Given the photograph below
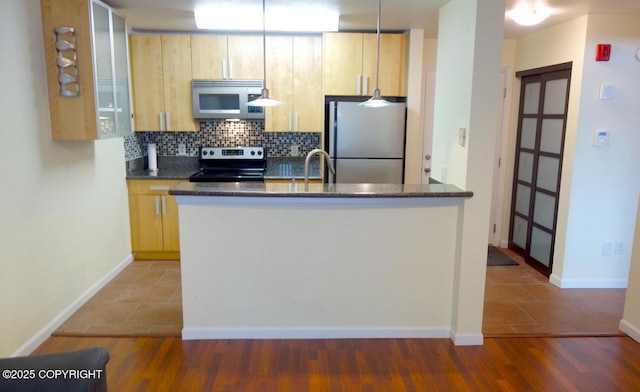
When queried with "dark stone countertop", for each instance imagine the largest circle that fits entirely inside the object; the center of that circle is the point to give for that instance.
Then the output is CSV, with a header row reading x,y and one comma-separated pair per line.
x,y
320,190
180,168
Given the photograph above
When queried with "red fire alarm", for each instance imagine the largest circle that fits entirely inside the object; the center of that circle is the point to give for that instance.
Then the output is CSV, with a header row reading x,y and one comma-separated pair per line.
x,y
603,52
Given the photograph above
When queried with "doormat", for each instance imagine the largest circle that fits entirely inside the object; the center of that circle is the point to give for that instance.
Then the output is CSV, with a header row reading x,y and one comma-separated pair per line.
x,y
496,257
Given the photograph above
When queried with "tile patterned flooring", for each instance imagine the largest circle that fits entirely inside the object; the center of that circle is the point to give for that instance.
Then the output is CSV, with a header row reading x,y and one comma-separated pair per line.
x,y
145,300
520,301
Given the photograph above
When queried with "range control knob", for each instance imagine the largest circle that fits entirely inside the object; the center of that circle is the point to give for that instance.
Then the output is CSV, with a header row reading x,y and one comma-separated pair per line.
x,y
204,152
253,152
259,152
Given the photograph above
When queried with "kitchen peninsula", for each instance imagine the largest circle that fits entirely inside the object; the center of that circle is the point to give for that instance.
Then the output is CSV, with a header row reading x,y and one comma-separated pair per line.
x,y
337,261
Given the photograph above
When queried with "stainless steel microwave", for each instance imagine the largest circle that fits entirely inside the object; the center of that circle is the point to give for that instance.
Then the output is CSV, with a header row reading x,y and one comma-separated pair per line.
x,y
226,99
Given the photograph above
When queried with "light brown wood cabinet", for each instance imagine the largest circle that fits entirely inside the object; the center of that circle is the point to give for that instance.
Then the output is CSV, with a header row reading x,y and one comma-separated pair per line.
x,y
102,106
153,215
161,71
227,57
350,64
294,76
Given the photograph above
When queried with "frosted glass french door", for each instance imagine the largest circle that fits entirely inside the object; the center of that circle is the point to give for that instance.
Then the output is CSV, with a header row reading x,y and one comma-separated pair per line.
x,y
538,163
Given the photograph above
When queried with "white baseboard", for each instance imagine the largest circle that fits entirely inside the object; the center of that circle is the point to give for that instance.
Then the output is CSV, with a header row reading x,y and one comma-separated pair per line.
x,y
42,335
313,333
504,244
630,329
588,283
467,339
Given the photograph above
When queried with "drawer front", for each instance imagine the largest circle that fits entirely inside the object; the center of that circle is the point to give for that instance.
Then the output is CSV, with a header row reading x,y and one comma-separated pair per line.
x,y
151,187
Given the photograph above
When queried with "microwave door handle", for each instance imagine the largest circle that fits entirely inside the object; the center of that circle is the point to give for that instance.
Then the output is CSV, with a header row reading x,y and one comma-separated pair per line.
x,y
297,122
168,121
161,121
224,69
230,69
289,120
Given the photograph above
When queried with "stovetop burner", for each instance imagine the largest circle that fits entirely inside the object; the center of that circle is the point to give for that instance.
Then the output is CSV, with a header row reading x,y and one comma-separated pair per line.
x,y
231,164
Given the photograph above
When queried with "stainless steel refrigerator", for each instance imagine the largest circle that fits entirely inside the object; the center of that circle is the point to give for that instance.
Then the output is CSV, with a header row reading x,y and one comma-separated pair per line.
x,y
366,144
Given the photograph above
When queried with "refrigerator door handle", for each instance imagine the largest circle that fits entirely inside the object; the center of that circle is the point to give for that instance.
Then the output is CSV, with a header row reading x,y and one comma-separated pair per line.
x,y
332,128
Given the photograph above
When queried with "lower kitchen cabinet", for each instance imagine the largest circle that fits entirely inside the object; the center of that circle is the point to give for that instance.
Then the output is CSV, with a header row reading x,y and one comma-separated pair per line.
x,y
153,215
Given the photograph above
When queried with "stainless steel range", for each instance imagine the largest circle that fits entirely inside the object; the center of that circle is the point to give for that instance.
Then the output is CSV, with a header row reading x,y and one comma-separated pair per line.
x,y
231,164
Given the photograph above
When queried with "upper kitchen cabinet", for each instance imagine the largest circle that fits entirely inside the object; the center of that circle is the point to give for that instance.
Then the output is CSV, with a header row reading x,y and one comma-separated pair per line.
x,y
294,77
85,45
226,57
350,64
161,69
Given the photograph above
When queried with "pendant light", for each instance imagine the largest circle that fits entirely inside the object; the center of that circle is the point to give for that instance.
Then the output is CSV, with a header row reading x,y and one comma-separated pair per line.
x,y
376,101
264,100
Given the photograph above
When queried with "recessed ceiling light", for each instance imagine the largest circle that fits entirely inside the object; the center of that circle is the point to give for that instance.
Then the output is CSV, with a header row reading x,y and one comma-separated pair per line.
x,y
529,14
234,17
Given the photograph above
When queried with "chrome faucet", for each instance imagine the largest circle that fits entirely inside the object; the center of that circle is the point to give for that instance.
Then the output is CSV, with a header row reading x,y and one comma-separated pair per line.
x,y
306,165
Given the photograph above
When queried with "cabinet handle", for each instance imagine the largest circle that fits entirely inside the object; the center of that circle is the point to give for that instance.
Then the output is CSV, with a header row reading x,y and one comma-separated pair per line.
x,y
164,205
230,69
358,85
365,82
297,123
289,120
157,205
158,188
168,121
161,120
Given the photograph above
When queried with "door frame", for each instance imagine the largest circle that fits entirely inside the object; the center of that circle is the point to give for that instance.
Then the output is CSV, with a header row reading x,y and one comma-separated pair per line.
x,y
499,168
428,103
499,172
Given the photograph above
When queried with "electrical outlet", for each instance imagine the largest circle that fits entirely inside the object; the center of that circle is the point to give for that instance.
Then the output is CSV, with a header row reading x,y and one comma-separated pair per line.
x,y
618,249
294,150
607,249
182,149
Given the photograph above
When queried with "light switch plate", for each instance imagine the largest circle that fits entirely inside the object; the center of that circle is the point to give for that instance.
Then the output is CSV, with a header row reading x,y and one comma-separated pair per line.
x,y
601,138
462,136
607,91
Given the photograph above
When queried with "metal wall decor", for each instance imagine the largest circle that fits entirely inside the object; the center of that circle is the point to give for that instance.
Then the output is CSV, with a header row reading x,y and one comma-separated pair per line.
x,y
66,61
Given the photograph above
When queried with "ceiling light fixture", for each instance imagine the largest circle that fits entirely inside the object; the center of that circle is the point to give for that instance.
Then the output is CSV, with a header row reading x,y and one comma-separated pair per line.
x,y
241,17
529,14
264,100
376,101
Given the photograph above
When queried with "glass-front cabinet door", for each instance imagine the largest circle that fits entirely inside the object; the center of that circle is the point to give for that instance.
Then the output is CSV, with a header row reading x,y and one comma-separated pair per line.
x,y
112,71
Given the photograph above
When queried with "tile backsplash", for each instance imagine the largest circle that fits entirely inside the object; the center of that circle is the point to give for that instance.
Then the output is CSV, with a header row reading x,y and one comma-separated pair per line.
x,y
222,134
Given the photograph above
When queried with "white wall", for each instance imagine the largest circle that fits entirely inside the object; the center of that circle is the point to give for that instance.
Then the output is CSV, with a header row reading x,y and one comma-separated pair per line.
x,y
465,77
630,324
63,206
605,183
599,187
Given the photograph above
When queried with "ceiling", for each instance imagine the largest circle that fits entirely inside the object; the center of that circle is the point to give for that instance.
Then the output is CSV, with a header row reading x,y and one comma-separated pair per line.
x,y
177,15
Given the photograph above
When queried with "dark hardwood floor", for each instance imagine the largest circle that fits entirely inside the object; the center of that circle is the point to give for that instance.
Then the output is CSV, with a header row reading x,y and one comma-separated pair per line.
x,y
501,364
